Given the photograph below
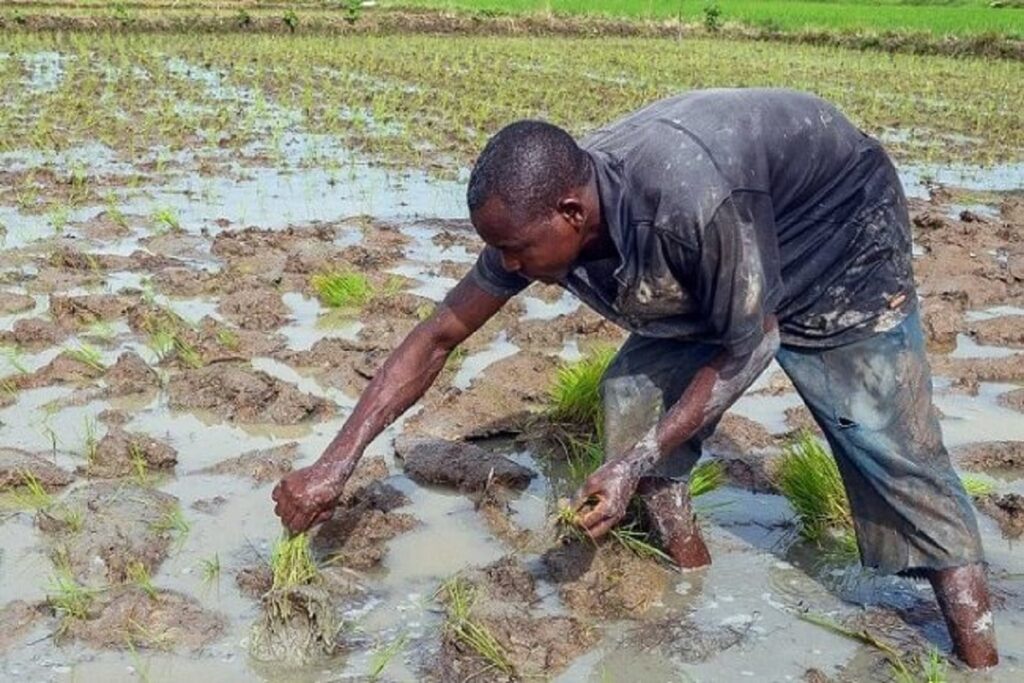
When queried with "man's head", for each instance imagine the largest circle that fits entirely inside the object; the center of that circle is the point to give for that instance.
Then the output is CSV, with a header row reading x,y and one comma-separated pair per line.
x,y
531,195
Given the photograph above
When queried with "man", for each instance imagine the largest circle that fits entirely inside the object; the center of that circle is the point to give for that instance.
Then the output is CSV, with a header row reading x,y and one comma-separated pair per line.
x,y
723,229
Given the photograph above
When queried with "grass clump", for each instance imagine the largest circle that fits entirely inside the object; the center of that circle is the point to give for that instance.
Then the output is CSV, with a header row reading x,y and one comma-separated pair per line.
x,y
292,563
173,522
705,477
471,633
342,289
69,599
31,494
575,394
88,355
138,574
977,487
809,478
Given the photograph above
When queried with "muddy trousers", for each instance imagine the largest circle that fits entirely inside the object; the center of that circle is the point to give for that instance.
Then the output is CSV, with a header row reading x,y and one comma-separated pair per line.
x,y
873,401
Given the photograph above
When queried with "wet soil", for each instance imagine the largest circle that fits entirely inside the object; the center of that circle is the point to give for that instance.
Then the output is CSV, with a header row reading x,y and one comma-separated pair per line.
x,y
128,617
261,466
238,393
118,524
505,605
1000,456
1008,511
16,619
605,580
458,465
123,454
15,464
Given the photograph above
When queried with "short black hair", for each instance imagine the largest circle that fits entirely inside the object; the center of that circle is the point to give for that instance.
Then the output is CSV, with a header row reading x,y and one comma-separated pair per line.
x,y
529,165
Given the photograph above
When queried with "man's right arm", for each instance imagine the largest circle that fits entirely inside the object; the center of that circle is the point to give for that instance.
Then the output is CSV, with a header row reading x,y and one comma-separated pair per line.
x,y
307,496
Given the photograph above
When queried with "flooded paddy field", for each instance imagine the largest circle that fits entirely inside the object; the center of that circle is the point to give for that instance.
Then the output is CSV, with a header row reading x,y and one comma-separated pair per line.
x,y
168,204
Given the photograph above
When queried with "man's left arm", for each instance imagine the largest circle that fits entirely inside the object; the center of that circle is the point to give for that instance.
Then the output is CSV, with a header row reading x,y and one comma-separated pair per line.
x,y
734,270
605,495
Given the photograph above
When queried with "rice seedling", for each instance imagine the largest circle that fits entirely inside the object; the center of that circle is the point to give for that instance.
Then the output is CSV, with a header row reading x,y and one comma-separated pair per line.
x,y
639,543
337,289
103,331
706,477
292,563
575,395
424,311
173,522
88,355
139,575
165,219
59,218
455,358
14,357
382,656
72,518
228,338
976,486
91,440
140,466
469,632
809,478
69,599
31,494
211,570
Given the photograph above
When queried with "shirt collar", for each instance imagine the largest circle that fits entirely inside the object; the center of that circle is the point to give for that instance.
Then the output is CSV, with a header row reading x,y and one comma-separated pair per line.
x,y
612,192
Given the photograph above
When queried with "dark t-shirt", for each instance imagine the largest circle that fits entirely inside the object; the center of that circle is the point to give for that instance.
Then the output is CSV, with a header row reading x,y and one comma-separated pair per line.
x,y
727,205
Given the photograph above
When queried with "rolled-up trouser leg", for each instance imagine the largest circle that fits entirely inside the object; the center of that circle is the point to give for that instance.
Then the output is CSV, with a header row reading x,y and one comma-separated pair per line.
x,y
647,376
873,400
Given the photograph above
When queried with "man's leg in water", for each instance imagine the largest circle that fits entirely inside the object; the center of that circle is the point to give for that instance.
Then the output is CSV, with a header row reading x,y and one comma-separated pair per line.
x,y
873,401
646,376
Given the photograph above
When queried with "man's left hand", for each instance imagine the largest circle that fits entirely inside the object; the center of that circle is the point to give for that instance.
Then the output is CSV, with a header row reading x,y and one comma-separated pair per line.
x,y
602,500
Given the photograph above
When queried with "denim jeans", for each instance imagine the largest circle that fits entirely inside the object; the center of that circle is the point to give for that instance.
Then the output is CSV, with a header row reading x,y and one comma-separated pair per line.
x,y
873,400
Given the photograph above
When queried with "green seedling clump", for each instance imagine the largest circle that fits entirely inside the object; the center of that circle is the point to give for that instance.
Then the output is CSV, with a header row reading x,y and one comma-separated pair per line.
x,y
809,478
977,487
706,477
31,494
461,626
575,395
292,563
69,599
342,289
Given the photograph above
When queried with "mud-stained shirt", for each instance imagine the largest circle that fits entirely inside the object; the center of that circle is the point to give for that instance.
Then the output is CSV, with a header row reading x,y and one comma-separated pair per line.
x,y
728,205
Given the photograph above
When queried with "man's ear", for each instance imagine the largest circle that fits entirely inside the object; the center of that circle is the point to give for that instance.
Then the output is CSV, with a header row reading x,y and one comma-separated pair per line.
x,y
572,210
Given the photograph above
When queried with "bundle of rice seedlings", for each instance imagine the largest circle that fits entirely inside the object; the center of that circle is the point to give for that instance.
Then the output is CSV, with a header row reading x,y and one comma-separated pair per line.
x,y
575,395
469,632
706,477
977,487
292,563
808,477
342,289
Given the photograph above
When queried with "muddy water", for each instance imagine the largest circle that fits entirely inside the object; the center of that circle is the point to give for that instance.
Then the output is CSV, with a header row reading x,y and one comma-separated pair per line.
x,y
735,621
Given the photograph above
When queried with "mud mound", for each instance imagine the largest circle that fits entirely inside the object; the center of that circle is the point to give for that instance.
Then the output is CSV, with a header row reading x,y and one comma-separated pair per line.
x,y
970,371
14,464
11,303
34,333
1013,399
183,282
552,334
74,311
356,536
942,319
503,604
254,582
338,363
123,454
130,375
238,393
127,617
297,626
119,524
1006,330
16,618
604,580
458,465
1008,511
991,455
255,309
261,466
64,369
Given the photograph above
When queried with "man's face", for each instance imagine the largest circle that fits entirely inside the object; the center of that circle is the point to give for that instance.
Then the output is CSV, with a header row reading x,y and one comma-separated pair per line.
x,y
543,249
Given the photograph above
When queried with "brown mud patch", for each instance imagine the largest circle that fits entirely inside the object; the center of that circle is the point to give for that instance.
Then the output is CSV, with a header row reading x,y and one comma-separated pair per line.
x,y
968,372
118,524
604,580
747,451
458,465
238,393
260,466
34,334
123,454
127,617
15,303
503,603
66,368
552,334
1006,330
338,363
682,638
992,455
255,309
16,464
297,626
942,319
78,311
1007,509
1013,399
356,536
16,619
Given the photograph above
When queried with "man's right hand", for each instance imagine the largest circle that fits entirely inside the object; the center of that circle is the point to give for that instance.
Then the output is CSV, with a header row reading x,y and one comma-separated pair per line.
x,y
307,496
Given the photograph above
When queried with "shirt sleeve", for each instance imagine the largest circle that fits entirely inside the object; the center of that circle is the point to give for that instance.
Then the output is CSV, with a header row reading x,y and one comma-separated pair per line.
x,y
735,256
491,276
